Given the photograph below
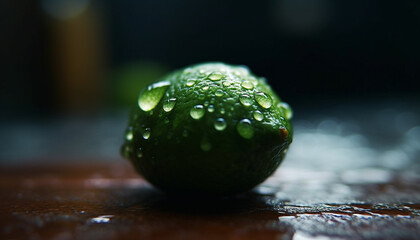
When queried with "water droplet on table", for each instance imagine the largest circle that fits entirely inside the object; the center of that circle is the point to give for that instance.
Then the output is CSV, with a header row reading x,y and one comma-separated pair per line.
x,y
102,219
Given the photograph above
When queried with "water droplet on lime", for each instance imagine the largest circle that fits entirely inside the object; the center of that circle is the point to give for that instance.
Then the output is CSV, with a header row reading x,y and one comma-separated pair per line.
x,y
215,76
246,100
169,105
146,133
263,99
220,124
245,129
205,88
152,95
129,134
227,83
197,112
248,85
191,82
219,93
210,108
258,116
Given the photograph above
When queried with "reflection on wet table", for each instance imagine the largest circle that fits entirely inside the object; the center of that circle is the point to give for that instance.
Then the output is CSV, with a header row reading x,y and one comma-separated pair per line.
x,y
109,201
347,177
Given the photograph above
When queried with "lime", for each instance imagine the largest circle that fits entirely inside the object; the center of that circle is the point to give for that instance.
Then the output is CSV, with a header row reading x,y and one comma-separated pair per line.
x,y
210,128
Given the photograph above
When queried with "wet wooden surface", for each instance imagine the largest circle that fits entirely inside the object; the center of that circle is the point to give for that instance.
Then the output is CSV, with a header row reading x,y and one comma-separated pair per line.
x,y
110,201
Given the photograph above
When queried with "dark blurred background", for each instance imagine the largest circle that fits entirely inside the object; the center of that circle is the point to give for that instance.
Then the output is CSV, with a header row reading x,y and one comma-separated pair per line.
x,y
69,69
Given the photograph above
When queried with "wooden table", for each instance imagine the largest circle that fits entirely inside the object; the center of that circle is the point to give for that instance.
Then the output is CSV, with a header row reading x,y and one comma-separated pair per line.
x,y
110,201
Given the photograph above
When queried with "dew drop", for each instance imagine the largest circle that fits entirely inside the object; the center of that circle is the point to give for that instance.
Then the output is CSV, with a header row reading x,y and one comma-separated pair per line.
x,y
169,105
206,103
246,100
263,99
149,98
258,116
201,96
222,111
210,108
139,153
197,112
205,88
288,112
205,145
245,129
220,124
219,93
227,83
191,82
129,134
215,76
146,133
248,85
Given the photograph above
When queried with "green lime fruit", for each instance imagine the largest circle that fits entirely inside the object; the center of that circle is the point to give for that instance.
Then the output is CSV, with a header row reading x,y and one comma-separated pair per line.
x,y
210,128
